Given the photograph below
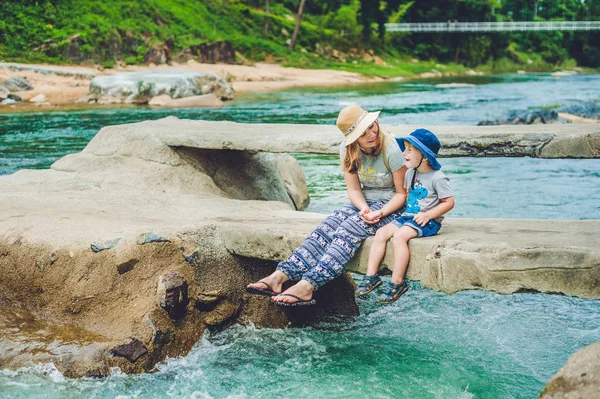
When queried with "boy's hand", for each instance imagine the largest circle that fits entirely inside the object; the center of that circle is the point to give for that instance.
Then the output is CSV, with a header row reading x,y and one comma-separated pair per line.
x,y
421,219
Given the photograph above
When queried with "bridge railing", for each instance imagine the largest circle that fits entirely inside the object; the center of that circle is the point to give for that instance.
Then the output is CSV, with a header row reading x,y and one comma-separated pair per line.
x,y
492,26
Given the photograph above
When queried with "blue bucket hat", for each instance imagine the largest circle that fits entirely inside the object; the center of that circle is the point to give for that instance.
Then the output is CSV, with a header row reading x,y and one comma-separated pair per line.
x,y
426,142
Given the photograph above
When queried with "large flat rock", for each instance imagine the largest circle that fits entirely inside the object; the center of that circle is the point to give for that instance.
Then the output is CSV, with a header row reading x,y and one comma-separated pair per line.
x,y
545,141
501,255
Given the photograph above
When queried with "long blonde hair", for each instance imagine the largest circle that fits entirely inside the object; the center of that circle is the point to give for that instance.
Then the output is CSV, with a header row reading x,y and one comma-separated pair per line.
x,y
351,161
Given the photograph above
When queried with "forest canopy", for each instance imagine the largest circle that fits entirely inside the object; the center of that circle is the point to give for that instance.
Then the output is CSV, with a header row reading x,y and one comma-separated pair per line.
x,y
44,30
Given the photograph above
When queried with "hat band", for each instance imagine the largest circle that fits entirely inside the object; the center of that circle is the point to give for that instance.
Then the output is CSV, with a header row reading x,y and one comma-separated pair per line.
x,y
351,128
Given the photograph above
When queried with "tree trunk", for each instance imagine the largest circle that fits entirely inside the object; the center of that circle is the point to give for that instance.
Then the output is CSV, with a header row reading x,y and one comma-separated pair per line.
x,y
536,4
266,18
298,21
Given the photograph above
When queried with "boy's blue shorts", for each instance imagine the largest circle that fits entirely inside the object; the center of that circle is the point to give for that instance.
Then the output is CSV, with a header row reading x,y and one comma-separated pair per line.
x,y
430,229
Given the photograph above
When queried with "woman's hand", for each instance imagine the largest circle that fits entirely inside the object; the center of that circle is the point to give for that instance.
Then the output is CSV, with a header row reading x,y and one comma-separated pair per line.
x,y
371,216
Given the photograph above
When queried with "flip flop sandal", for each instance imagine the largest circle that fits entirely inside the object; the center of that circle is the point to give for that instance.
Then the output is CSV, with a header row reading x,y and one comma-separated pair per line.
x,y
268,291
393,292
368,284
299,301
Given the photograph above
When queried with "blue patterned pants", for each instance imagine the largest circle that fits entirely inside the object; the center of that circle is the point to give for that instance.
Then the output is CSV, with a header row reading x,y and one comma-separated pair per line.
x,y
324,254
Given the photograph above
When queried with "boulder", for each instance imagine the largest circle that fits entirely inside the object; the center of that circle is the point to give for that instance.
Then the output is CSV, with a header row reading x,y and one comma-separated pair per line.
x,y
579,378
17,84
146,85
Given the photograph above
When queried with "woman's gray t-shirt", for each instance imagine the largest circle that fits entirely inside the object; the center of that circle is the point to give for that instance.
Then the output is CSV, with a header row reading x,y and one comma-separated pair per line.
x,y
375,178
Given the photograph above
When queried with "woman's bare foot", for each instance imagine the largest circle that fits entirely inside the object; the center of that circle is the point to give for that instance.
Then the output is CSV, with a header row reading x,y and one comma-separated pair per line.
x,y
302,291
273,282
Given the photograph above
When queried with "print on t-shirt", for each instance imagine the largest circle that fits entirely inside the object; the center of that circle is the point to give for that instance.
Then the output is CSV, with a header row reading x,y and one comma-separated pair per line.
x,y
417,193
371,177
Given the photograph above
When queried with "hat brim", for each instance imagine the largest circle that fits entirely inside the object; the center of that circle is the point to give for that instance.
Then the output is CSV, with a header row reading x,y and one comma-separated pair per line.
x,y
361,127
427,153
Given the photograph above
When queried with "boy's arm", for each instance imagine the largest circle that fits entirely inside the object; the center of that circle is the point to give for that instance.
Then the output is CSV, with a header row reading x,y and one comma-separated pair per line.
x,y
445,205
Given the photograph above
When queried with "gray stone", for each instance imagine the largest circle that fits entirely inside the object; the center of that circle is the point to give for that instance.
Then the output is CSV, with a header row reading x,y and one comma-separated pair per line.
x,y
98,246
147,238
176,84
579,378
18,84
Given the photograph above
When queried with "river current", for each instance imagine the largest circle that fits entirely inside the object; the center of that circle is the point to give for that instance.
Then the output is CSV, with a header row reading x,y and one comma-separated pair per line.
x,y
472,344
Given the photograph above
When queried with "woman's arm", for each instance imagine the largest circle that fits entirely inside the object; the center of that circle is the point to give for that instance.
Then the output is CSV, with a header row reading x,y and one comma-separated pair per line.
x,y
355,194
395,203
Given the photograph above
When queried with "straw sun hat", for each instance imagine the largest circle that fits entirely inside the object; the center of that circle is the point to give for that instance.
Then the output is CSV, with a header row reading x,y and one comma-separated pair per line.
x,y
353,121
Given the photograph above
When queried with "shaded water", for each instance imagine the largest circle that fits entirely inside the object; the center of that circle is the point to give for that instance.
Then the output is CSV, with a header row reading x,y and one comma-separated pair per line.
x,y
428,345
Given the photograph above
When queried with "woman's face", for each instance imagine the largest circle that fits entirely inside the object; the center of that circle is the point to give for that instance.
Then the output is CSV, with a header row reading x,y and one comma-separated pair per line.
x,y
369,138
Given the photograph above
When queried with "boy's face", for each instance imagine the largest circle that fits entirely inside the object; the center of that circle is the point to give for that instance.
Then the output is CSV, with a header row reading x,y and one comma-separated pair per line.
x,y
412,156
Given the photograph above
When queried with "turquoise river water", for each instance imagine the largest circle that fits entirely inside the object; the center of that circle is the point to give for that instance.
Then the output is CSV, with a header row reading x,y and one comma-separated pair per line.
x,y
472,344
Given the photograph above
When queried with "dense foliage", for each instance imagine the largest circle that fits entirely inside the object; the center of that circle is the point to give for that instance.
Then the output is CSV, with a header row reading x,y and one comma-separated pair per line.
x,y
106,31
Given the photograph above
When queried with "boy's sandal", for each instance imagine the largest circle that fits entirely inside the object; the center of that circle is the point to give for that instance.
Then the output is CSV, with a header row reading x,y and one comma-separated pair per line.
x,y
393,292
368,284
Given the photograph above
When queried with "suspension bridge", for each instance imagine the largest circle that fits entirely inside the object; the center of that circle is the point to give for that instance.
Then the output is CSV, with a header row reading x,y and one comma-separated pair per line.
x,y
494,26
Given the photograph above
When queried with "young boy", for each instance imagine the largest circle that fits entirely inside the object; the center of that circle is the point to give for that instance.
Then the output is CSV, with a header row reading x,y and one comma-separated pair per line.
x,y
429,198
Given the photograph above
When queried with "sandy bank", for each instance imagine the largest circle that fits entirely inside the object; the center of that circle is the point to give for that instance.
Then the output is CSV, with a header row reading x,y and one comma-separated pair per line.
x,y
64,90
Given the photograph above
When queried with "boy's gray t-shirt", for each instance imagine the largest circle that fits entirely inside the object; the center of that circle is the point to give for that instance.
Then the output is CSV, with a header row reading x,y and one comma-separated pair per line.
x,y
375,178
428,189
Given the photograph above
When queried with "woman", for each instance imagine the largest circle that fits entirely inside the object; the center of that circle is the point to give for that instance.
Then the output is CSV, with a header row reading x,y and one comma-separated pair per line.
x,y
374,172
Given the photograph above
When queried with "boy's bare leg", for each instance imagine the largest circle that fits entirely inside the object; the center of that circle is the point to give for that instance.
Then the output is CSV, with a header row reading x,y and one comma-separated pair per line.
x,y
401,252
378,246
275,281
